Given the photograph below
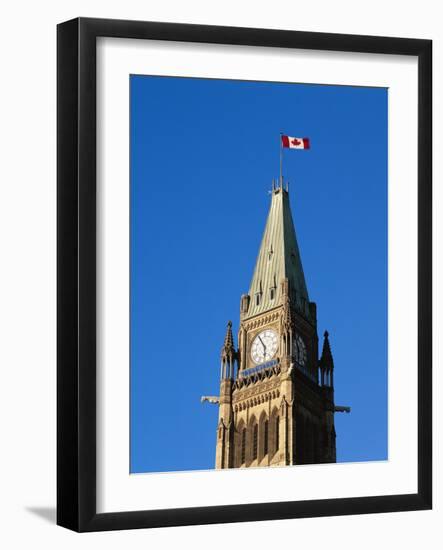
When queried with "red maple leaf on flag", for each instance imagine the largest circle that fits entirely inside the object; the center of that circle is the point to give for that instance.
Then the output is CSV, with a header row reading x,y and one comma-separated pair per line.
x,y
296,142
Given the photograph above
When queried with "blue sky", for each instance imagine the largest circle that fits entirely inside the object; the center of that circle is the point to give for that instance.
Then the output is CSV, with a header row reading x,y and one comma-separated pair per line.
x,y
203,155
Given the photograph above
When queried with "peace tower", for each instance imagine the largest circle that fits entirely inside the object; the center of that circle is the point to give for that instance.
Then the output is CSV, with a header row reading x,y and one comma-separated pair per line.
x,y
276,403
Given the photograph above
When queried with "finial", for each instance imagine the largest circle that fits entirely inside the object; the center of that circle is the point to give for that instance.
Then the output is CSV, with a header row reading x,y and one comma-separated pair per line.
x,y
326,363
229,340
326,360
228,354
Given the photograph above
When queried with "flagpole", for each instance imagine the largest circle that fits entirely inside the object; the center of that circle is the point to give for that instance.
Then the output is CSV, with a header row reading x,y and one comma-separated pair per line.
x,y
281,161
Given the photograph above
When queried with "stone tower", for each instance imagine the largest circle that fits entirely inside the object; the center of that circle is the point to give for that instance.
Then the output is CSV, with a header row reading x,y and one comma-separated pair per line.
x,y
276,404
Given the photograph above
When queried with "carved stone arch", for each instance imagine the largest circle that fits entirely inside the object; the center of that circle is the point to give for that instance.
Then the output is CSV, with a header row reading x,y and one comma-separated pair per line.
x,y
240,443
283,405
221,429
274,424
263,436
240,424
252,440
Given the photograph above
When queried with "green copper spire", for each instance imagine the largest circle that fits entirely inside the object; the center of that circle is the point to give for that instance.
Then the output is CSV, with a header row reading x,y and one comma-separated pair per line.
x,y
278,259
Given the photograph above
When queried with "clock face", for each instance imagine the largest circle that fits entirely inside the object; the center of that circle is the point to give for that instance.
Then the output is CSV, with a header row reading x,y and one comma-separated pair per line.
x,y
300,354
264,346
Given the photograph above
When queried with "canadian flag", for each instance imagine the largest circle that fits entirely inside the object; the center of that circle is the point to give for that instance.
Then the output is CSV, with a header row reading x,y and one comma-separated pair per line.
x,y
295,142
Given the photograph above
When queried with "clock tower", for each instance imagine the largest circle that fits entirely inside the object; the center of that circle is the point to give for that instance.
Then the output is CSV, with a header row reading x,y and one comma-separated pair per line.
x,y
276,403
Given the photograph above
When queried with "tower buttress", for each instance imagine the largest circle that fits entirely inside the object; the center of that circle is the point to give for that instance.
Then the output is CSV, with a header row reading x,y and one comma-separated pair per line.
x,y
225,427
326,365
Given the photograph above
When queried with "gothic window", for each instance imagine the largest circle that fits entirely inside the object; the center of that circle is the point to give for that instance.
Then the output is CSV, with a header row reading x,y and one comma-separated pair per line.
x,y
265,438
258,298
243,446
272,293
255,442
277,433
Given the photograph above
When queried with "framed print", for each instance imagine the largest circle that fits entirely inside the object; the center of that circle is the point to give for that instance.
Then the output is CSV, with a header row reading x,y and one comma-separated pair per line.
x,y
244,274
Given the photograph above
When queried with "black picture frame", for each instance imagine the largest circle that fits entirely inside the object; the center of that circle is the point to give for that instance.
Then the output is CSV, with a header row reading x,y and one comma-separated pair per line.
x,y
76,273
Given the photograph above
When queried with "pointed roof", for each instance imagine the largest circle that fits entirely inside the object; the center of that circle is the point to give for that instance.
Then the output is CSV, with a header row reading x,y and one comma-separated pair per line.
x,y
228,344
326,360
228,349
278,258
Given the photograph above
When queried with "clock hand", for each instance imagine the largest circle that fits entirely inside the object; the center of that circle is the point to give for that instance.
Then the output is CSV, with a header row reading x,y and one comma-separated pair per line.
x,y
264,347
